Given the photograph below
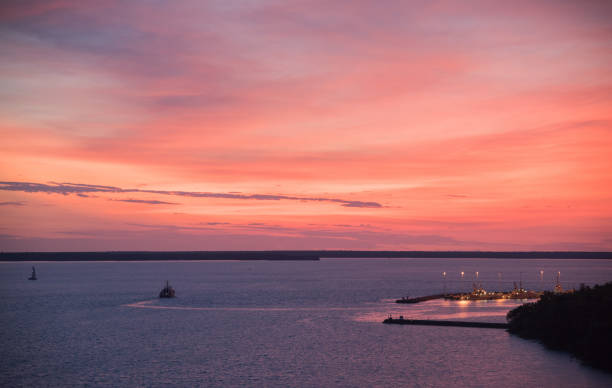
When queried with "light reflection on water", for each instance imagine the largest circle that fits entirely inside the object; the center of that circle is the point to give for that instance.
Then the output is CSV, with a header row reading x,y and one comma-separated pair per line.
x,y
376,312
482,310
153,304
278,324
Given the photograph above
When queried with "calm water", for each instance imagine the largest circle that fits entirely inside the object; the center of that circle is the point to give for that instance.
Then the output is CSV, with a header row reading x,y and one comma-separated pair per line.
x,y
282,324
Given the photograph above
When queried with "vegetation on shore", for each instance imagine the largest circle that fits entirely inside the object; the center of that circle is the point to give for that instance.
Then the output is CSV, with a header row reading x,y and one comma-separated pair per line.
x,y
579,322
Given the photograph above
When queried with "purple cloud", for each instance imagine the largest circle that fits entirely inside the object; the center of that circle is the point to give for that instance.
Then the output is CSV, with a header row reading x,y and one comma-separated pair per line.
x,y
80,188
12,203
148,201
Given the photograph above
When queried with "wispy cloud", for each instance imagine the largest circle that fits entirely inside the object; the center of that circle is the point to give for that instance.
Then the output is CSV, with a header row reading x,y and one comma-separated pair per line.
x,y
12,203
147,201
80,188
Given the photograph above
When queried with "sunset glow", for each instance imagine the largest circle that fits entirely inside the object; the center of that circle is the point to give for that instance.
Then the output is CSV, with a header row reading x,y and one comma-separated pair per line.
x,y
193,125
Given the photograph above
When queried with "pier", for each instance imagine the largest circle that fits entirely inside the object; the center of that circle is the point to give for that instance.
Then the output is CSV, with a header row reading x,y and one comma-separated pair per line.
x,y
420,298
471,296
480,293
430,322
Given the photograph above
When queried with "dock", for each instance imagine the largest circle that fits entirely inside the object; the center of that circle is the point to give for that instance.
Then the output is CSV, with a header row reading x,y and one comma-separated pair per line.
x,y
479,293
420,298
432,322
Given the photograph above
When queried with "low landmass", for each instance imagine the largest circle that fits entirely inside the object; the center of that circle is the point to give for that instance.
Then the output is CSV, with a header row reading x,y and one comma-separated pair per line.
x,y
466,254
162,255
290,255
579,322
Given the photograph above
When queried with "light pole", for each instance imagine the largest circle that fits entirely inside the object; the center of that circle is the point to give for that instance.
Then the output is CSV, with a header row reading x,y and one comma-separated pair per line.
x,y
444,276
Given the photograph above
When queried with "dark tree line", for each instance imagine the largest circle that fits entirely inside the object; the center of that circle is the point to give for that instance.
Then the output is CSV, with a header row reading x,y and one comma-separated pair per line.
x,y
579,322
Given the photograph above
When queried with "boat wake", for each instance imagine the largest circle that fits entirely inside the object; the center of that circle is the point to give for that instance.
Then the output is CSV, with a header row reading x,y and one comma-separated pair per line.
x,y
372,313
150,304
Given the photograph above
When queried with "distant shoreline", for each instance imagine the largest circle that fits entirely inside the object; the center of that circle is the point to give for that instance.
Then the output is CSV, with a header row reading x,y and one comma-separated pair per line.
x,y
289,255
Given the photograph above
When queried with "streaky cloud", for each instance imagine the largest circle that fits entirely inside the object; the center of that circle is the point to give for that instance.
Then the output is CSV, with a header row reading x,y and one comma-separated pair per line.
x,y
147,201
67,188
361,204
59,188
12,203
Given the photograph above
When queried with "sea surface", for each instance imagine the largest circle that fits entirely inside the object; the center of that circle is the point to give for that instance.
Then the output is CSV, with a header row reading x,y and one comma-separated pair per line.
x,y
277,324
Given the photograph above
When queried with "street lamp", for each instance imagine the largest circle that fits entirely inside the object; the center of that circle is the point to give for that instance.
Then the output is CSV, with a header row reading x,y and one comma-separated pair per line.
x,y
444,276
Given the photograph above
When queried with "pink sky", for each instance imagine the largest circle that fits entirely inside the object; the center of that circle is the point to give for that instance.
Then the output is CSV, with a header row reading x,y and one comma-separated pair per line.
x,y
213,125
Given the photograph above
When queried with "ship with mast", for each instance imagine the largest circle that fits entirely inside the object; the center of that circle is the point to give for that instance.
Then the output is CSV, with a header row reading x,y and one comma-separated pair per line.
x,y
33,275
167,292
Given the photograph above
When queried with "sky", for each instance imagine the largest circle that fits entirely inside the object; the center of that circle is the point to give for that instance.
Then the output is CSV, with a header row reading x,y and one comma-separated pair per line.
x,y
220,125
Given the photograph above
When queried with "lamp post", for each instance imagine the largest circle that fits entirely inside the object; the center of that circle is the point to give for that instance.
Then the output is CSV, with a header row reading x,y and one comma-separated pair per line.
x,y
541,279
444,276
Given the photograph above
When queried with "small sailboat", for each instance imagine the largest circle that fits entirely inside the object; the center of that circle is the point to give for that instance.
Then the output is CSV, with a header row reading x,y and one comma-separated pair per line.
x,y
33,276
167,292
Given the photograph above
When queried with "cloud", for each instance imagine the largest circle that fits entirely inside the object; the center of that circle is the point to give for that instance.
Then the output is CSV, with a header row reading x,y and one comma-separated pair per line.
x,y
80,188
149,201
360,204
12,203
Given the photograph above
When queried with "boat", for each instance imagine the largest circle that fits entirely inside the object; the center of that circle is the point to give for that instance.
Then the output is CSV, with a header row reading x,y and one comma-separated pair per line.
x,y
167,292
33,276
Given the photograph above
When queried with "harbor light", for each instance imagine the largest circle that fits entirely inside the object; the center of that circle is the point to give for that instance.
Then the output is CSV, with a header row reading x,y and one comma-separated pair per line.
x,y
462,273
444,276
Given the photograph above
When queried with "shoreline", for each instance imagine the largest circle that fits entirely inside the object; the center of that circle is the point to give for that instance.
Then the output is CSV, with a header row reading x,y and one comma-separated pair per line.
x,y
313,255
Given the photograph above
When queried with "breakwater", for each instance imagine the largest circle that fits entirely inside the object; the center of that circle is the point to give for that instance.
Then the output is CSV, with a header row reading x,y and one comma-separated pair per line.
x,y
431,322
476,295
420,298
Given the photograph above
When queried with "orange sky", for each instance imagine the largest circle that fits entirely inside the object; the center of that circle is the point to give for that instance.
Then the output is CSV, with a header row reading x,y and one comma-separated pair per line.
x,y
204,125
